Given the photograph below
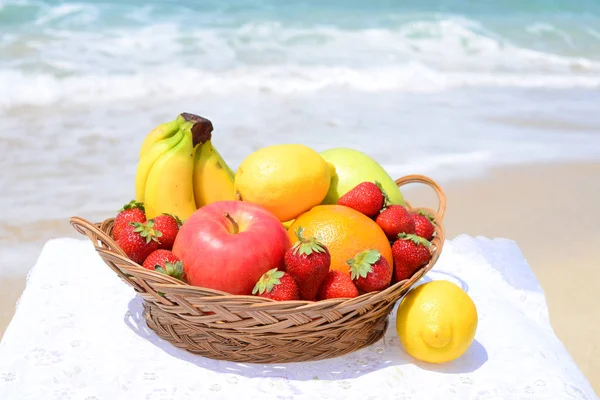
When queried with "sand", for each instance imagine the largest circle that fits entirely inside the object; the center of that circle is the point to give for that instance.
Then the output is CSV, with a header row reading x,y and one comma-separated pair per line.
x,y
10,290
549,210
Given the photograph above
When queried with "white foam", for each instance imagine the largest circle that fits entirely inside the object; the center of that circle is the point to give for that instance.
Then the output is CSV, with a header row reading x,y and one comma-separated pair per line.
x,y
452,44
168,60
60,11
44,89
445,165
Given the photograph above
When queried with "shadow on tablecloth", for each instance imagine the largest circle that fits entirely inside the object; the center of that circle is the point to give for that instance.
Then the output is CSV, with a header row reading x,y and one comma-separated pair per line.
x,y
385,353
445,276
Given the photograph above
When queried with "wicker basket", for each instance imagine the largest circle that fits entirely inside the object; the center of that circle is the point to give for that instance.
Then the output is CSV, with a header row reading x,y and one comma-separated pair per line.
x,y
253,329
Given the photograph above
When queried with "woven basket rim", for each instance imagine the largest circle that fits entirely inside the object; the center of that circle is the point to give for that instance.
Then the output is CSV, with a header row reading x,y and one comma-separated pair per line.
x,y
221,295
110,251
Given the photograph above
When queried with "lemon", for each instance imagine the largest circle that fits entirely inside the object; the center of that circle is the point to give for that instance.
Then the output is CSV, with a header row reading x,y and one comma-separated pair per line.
x,y
436,322
286,179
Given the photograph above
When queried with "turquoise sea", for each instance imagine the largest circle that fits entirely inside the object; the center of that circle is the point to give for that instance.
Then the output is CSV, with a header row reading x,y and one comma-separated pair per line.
x,y
443,88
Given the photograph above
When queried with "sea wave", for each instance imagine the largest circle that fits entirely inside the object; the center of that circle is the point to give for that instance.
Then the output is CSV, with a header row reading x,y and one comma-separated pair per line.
x,y
167,59
453,44
449,162
46,89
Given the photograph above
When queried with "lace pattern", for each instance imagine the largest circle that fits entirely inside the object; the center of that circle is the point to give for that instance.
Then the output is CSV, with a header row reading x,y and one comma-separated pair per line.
x,y
79,334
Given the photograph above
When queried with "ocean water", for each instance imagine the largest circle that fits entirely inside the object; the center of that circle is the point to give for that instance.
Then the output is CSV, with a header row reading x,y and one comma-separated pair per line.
x,y
443,88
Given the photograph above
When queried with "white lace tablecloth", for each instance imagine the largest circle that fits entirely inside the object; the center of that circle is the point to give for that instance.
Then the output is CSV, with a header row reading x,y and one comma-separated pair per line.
x,y
78,334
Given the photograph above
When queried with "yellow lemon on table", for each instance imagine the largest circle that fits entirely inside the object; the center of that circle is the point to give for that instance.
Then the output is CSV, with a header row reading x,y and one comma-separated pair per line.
x,y
286,179
436,322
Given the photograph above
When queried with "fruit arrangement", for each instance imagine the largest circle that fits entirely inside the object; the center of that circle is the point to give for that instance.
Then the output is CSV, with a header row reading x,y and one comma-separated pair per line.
x,y
234,239
301,254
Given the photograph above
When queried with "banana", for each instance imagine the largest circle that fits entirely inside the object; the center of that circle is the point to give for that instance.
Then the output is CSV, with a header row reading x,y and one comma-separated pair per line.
x,y
160,132
213,179
169,186
148,159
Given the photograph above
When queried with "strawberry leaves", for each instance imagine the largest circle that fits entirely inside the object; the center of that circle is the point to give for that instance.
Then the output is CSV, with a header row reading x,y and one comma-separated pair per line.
x,y
131,205
386,200
176,218
427,215
146,230
267,281
415,239
362,264
306,246
174,270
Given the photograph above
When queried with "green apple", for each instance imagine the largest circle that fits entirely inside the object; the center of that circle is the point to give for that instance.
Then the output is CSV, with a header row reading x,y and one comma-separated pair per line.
x,y
353,167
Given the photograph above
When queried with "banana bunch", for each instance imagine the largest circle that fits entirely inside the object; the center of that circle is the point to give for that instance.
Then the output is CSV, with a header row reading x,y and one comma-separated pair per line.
x,y
179,170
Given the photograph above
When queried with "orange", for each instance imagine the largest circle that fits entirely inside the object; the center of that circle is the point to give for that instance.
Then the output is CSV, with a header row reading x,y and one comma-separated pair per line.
x,y
344,231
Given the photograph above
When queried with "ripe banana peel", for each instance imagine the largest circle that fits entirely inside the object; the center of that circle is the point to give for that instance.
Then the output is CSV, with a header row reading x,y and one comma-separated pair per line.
x,y
169,187
213,179
180,170
162,131
147,160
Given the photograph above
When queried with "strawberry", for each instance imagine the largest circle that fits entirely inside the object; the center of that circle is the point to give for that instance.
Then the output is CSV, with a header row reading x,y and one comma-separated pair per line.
x,y
277,285
168,225
307,261
395,219
370,271
367,198
410,253
138,240
164,262
337,284
131,212
423,225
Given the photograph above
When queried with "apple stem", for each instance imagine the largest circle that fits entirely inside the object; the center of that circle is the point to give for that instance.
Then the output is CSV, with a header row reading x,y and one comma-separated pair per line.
x,y
236,227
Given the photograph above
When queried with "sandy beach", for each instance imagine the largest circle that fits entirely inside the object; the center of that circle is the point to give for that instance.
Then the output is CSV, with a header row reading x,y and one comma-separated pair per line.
x,y
496,101
10,290
544,208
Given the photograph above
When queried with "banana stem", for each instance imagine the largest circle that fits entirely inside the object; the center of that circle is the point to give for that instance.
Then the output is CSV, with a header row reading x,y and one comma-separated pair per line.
x,y
236,227
201,129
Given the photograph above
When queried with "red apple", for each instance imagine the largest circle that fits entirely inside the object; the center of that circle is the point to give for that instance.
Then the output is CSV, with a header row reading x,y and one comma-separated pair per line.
x,y
229,245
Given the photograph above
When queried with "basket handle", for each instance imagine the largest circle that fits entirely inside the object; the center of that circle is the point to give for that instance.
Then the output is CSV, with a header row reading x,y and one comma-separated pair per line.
x,y
113,256
441,210
95,234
